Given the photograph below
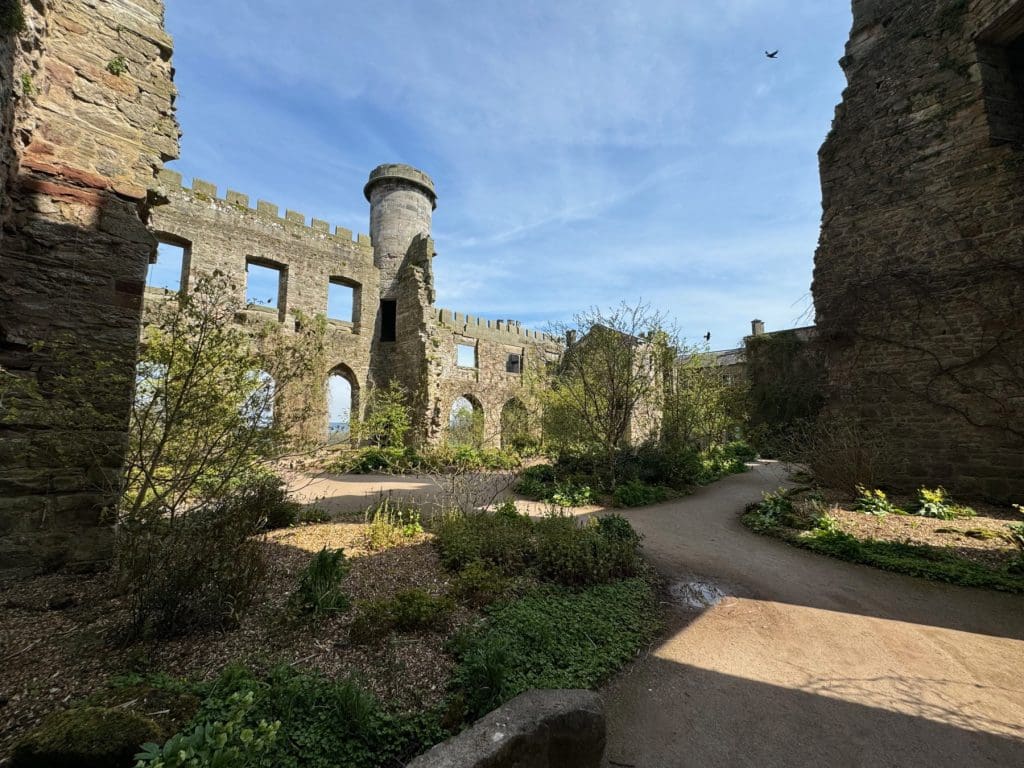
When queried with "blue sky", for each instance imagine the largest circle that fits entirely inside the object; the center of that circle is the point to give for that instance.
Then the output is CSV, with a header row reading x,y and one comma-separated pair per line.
x,y
583,152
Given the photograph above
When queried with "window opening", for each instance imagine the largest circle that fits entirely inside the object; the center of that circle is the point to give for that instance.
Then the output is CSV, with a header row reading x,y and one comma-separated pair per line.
x,y
388,319
168,271
465,355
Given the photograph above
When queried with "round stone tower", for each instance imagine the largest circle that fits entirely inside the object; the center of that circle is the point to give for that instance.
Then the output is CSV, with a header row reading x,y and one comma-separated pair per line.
x,y
402,200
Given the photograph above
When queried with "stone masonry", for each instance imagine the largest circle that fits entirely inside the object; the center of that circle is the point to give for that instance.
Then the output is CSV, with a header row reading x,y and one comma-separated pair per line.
x,y
417,347
919,274
87,121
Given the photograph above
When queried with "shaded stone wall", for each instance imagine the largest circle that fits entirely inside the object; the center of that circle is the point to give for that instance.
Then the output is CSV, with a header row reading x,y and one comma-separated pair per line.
x,y
919,274
92,122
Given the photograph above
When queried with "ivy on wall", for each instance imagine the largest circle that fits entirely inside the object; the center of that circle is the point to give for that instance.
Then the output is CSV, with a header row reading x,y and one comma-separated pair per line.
x,y
787,388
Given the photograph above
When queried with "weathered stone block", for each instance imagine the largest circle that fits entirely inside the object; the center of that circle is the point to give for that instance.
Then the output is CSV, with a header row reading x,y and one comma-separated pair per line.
x,y
537,729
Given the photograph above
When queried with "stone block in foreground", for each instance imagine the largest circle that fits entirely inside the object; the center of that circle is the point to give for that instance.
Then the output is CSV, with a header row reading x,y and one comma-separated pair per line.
x,y
537,729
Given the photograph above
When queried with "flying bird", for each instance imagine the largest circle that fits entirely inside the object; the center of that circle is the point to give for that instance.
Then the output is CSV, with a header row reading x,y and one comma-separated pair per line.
x,y
707,336
772,55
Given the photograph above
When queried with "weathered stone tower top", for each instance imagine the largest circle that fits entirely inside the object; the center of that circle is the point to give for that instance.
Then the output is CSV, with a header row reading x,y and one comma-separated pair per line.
x,y
402,200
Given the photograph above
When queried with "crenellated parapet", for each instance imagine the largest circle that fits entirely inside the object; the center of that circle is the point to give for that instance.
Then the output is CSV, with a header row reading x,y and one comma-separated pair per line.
x,y
509,331
171,181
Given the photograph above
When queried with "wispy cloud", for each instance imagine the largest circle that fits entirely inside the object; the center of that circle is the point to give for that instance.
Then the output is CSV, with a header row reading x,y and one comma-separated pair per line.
x,y
583,151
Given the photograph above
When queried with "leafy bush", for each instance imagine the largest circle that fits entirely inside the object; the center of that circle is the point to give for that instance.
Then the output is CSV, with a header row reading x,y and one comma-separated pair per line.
x,y
569,494
408,611
768,513
500,540
319,591
557,548
89,737
479,584
392,522
937,504
553,638
576,554
740,450
199,571
324,723
228,742
872,501
636,493
443,459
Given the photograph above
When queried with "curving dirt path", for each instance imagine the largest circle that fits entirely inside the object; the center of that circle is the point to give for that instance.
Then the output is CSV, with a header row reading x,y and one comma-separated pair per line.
x,y
810,661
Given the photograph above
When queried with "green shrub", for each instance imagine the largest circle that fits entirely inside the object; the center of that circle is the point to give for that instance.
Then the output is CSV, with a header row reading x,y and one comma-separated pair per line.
x,y
319,591
313,515
553,638
479,584
770,511
740,450
570,494
636,493
411,610
576,554
324,722
391,523
872,501
228,743
199,571
936,503
87,737
501,540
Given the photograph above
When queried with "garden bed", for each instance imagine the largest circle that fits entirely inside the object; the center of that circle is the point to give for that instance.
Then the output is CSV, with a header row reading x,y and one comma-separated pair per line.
x,y
980,545
412,686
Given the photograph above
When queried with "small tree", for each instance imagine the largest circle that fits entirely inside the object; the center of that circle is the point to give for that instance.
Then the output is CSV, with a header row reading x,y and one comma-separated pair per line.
x,y
608,389
388,418
703,404
204,421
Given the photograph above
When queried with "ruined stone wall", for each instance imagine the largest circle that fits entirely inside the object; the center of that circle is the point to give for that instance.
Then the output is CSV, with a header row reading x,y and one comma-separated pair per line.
x,y
919,274
489,385
224,233
92,123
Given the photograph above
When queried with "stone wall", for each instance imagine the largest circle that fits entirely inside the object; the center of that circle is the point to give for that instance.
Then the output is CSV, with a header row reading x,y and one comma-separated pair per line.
x,y
490,384
224,232
92,122
919,274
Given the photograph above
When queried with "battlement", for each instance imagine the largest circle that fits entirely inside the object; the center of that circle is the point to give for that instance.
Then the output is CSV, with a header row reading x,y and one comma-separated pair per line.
x,y
203,190
476,326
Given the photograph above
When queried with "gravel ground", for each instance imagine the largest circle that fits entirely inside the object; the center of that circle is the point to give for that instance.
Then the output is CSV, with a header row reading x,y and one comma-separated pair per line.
x,y
58,632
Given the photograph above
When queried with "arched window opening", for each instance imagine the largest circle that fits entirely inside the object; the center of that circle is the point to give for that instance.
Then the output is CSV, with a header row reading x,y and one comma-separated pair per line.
x,y
342,404
466,422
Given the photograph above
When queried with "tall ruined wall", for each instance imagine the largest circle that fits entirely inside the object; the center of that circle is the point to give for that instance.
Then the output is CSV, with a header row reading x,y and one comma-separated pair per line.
x,y
226,234
92,123
919,274
490,384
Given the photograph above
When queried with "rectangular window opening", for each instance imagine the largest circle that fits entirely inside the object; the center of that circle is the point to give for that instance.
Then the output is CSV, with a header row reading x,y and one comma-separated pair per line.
x,y
514,364
465,355
341,300
263,284
169,270
388,320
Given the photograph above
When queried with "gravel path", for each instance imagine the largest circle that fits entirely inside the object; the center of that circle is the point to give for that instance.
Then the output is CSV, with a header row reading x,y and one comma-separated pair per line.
x,y
808,661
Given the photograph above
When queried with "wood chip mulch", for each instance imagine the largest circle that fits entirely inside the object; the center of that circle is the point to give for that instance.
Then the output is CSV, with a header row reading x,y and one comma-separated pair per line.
x,y
983,539
58,632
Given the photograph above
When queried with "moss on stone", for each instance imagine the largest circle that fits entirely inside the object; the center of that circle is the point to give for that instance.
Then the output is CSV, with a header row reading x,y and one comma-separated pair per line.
x,y
88,737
